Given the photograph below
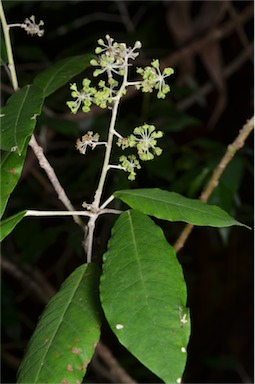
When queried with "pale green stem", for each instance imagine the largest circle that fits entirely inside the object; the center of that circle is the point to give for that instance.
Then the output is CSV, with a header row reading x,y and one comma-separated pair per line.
x,y
105,168
11,64
111,133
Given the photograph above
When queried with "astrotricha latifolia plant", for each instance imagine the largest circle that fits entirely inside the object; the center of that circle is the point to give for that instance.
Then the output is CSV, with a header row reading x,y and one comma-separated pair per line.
x,y
140,290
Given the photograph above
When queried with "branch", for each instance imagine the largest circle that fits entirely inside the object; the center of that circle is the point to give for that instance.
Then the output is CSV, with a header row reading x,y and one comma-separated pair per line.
x,y
38,151
214,181
119,374
33,280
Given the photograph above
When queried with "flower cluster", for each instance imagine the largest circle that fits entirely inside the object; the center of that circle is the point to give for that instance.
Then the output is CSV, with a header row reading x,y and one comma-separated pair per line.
x,y
89,139
153,78
84,97
113,57
129,164
32,28
113,60
113,63
144,138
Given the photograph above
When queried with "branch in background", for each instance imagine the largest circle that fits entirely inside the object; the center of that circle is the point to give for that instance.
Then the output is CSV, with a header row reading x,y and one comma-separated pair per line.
x,y
117,373
33,281
214,181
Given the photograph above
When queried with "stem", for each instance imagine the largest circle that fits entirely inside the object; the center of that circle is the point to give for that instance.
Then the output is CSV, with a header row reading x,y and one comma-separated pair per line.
x,y
11,64
105,168
214,180
57,213
32,212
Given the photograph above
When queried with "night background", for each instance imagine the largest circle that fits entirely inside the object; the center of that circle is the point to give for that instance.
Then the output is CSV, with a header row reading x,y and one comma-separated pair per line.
x,y
210,46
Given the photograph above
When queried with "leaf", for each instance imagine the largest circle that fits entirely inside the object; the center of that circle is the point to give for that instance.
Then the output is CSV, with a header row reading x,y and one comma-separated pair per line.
x,y
174,207
60,73
67,333
11,167
7,225
18,117
143,294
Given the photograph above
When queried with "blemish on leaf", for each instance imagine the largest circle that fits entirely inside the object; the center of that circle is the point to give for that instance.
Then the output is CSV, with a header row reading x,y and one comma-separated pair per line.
x,y
12,171
75,350
65,381
77,340
179,380
183,319
119,326
57,355
69,368
77,382
183,349
46,340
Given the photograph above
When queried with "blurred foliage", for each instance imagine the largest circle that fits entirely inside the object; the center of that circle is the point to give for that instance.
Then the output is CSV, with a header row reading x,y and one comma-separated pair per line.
x,y
213,260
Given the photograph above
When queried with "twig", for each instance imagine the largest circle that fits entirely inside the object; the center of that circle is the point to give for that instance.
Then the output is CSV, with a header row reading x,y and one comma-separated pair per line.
x,y
117,371
38,151
11,64
208,87
43,290
214,180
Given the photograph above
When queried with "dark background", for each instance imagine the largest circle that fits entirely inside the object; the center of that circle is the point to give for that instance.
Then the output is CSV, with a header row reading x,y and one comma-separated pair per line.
x,y
210,46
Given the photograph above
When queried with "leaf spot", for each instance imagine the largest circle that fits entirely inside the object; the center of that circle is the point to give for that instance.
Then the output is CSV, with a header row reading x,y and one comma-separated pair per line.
x,y
65,381
46,340
119,326
69,368
75,350
183,349
183,319
12,171
179,380
76,340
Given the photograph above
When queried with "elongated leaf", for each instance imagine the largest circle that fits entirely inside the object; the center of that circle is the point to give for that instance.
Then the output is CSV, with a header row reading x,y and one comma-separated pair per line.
x,y
67,333
60,73
18,117
174,207
7,225
11,167
143,294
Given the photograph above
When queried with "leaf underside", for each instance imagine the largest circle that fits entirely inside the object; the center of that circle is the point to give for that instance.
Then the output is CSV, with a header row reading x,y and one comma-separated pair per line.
x,y
61,72
18,117
11,167
67,333
7,225
172,206
143,294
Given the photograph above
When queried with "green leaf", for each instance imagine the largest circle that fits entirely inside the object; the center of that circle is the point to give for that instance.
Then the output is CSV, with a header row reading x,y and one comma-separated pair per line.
x,y
143,294
67,333
60,73
11,167
174,207
7,225
18,117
